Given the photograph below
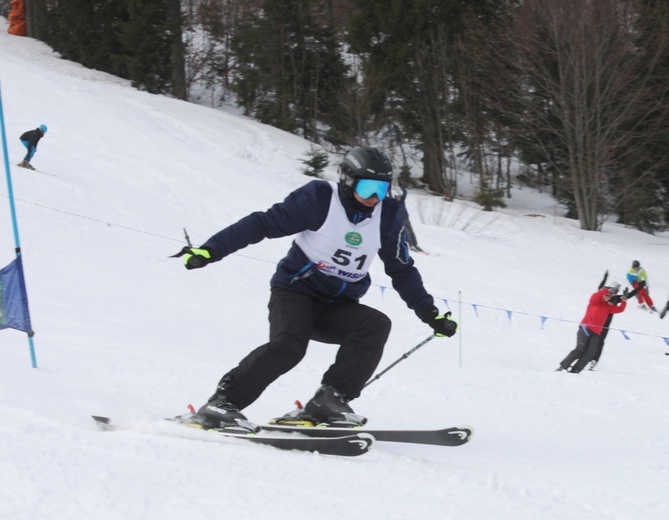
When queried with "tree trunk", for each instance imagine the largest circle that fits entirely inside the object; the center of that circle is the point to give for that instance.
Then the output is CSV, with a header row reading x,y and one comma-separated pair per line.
x,y
179,88
36,19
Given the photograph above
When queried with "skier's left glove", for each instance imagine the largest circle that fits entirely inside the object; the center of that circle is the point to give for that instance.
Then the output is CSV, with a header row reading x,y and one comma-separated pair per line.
x,y
442,325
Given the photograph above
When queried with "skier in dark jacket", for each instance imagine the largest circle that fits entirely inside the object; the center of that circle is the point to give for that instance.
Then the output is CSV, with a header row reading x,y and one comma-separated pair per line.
x,y
589,335
316,288
30,139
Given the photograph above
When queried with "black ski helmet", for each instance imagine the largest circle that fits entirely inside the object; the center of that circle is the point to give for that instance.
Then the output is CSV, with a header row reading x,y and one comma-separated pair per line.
x,y
365,163
636,264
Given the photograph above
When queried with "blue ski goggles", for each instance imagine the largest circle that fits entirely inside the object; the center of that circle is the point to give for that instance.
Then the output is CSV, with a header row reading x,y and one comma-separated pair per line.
x,y
368,187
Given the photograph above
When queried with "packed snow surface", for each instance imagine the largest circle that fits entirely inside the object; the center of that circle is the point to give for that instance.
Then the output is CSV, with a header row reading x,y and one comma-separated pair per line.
x,y
123,330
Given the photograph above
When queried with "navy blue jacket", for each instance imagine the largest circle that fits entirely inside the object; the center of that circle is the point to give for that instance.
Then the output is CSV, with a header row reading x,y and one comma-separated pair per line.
x,y
306,209
32,136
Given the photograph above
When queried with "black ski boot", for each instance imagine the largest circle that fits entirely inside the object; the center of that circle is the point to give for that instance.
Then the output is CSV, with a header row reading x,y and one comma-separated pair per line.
x,y
218,412
330,407
26,164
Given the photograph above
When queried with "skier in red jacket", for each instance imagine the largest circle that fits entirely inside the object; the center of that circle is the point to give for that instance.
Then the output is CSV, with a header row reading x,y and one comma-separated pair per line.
x,y
589,334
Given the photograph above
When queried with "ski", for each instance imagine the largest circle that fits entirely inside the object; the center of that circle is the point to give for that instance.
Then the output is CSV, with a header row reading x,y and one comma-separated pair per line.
x,y
32,168
455,436
351,445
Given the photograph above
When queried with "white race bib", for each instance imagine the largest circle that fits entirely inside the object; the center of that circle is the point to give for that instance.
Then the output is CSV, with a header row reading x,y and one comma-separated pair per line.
x,y
339,247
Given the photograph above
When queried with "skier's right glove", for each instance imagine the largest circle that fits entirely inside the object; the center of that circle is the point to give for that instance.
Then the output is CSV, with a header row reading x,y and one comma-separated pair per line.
x,y
442,325
196,258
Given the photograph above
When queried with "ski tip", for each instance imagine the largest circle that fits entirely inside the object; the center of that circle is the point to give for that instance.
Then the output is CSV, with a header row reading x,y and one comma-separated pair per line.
x,y
104,423
367,437
465,432
362,442
349,445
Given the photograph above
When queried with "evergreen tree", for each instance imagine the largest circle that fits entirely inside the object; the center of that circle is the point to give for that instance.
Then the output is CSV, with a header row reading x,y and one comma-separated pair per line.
x,y
315,163
37,23
88,31
647,205
290,73
134,39
410,71
147,40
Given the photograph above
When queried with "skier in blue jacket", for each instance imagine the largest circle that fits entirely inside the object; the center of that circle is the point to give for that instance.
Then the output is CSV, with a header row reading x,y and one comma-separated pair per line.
x,y
317,286
30,139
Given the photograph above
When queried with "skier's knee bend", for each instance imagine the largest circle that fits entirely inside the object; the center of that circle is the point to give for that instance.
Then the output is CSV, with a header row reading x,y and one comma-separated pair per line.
x,y
289,348
378,324
385,324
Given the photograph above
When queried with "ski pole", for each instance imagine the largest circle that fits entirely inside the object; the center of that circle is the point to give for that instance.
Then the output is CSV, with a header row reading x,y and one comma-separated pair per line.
x,y
184,249
404,356
187,238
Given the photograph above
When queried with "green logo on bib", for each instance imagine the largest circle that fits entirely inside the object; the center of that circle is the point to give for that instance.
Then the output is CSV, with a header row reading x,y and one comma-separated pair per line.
x,y
353,238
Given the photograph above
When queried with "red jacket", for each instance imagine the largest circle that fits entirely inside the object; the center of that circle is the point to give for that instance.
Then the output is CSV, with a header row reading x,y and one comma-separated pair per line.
x,y
598,310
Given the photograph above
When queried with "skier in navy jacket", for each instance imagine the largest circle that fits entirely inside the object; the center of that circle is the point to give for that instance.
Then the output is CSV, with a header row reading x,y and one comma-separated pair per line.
x,y
30,139
316,288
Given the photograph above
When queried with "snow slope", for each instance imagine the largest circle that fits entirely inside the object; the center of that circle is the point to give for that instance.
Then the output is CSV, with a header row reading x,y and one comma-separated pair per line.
x,y
125,331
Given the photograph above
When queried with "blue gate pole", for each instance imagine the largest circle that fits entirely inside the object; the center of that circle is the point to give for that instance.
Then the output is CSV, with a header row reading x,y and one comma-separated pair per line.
x,y
15,225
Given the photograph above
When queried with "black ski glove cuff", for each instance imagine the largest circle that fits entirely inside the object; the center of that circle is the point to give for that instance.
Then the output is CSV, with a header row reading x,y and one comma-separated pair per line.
x,y
430,314
195,257
442,325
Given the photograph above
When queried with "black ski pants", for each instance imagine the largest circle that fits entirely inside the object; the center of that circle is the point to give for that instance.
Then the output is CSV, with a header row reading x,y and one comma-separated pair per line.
x,y
602,338
587,344
294,319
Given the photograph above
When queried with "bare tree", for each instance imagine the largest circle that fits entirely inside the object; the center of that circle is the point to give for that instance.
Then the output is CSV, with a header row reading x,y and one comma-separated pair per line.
x,y
589,92
208,30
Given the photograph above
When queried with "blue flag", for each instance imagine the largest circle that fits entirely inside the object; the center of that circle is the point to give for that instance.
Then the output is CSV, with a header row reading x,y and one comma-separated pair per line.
x,y
14,312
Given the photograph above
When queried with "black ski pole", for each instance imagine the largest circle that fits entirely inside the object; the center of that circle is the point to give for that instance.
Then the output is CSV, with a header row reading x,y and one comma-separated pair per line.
x,y
187,238
404,356
184,249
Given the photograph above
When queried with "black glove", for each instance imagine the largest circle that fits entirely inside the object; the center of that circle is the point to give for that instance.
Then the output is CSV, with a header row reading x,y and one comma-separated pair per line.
x,y
638,288
195,258
442,325
617,298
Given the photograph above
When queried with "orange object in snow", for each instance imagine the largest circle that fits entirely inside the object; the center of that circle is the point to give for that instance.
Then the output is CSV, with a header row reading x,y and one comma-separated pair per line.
x,y
17,18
